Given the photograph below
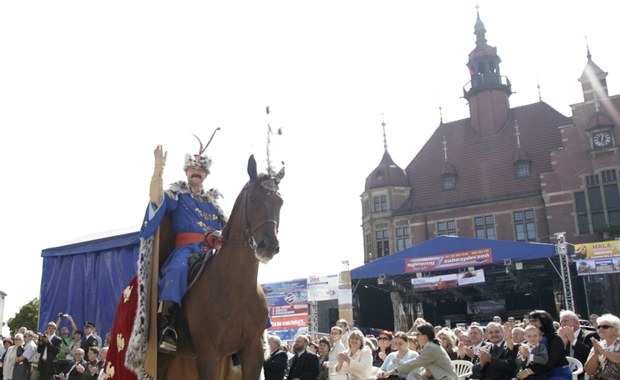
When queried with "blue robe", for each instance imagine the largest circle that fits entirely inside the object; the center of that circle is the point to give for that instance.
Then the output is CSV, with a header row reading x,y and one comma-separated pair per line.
x,y
188,213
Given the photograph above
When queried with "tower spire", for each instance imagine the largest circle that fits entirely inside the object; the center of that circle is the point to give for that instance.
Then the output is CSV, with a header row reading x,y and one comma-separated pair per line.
x,y
588,55
479,29
384,136
440,114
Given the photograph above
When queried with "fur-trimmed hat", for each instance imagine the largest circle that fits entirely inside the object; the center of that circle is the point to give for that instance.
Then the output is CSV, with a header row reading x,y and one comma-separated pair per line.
x,y
200,160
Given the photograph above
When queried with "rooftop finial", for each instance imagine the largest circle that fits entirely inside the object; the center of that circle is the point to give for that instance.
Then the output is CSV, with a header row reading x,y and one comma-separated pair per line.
x,y
588,49
384,135
440,114
445,149
538,87
517,134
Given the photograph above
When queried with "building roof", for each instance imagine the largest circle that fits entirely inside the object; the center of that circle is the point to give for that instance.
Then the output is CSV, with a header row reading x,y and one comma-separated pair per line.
x,y
386,174
485,164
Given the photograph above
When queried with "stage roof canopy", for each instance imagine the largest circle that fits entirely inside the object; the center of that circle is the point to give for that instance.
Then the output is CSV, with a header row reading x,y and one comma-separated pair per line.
x,y
452,252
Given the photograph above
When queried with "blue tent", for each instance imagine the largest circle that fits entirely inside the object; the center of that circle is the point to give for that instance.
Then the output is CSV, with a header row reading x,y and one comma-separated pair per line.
x,y
86,280
452,252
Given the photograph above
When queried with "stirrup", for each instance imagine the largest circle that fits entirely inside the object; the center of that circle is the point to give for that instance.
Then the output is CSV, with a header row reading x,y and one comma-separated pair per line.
x,y
164,344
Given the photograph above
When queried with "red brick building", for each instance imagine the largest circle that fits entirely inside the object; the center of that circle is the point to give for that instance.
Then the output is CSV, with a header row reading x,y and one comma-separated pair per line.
x,y
520,173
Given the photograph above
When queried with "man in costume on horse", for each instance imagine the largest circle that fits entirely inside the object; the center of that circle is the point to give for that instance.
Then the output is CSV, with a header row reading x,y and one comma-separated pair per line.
x,y
195,215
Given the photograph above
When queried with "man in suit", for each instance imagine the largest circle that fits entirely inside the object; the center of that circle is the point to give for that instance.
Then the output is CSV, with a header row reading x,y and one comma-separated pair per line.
x,y
48,347
89,340
577,342
304,365
275,365
76,368
471,352
497,361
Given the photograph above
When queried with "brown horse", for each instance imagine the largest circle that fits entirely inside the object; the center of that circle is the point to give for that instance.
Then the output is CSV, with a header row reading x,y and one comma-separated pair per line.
x,y
226,310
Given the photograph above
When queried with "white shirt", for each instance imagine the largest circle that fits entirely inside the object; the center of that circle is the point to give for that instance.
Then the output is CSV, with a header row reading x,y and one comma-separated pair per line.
x,y
333,355
360,365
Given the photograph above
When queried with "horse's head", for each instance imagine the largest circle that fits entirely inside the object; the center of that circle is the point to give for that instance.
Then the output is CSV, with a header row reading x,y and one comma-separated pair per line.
x,y
262,202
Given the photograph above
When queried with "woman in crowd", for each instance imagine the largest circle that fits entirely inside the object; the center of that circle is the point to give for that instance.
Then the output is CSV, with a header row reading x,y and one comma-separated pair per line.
x,y
557,366
384,349
412,342
313,347
356,362
448,342
8,358
398,357
604,360
433,358
324,347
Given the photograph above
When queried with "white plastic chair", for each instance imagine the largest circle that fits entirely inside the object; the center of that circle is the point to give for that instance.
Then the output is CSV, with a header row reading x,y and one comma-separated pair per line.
x,y
575,366
463,368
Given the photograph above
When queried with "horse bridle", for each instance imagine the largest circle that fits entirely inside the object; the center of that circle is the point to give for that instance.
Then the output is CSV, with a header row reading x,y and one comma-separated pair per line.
x,y
249,231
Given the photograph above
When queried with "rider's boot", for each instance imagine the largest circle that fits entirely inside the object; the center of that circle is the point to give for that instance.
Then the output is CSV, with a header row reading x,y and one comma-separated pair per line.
x,y
168,339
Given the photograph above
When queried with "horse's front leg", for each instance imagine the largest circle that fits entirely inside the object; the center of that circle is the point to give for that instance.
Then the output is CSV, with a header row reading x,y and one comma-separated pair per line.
x,y
252,359
209,368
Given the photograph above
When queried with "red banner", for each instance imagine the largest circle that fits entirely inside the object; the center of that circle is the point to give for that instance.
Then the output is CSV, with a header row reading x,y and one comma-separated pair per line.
x,y
289,322
476,257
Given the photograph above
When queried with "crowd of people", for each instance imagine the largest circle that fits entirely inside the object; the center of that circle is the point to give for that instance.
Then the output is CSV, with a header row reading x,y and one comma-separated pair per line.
x,y
54,354
536,348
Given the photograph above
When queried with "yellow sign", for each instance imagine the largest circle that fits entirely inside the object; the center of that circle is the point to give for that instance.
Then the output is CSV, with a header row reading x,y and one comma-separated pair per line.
x,y
598,250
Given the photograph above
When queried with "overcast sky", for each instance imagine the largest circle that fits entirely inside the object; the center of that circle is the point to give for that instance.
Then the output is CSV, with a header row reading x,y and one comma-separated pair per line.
x,y
88,89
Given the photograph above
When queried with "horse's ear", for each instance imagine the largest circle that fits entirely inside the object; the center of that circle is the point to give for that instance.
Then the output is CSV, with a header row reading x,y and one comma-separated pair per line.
x,y
252,168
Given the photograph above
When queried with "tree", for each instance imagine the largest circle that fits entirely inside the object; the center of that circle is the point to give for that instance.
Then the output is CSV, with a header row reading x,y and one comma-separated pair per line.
x,y
28,315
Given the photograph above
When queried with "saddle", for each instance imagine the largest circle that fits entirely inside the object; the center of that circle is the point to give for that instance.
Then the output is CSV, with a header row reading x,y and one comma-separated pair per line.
x,y
197,263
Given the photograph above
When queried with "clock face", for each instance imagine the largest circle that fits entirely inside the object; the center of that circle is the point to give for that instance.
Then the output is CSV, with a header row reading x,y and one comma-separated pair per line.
x,y
601,139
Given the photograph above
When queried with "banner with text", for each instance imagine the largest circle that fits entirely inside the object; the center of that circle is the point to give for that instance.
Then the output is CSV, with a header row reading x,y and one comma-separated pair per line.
x,y
454,260
323,288
288,307
597,258
447,281
486,307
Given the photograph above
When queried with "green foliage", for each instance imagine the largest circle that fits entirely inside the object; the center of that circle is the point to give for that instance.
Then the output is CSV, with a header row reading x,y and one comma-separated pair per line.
x,y
28,315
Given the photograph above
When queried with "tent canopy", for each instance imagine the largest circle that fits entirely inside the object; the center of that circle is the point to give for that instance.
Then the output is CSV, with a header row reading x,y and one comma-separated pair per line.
x,y
86,280
452,252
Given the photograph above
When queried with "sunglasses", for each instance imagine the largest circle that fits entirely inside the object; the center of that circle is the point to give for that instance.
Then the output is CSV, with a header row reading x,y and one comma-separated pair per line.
x,y
604,327
383,338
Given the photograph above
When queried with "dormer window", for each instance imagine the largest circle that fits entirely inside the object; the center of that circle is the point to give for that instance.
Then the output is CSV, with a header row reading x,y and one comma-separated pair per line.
x,y
448,182
522,169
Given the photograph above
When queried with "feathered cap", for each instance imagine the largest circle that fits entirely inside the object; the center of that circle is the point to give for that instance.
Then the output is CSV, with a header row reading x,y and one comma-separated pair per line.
x,y
200,160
